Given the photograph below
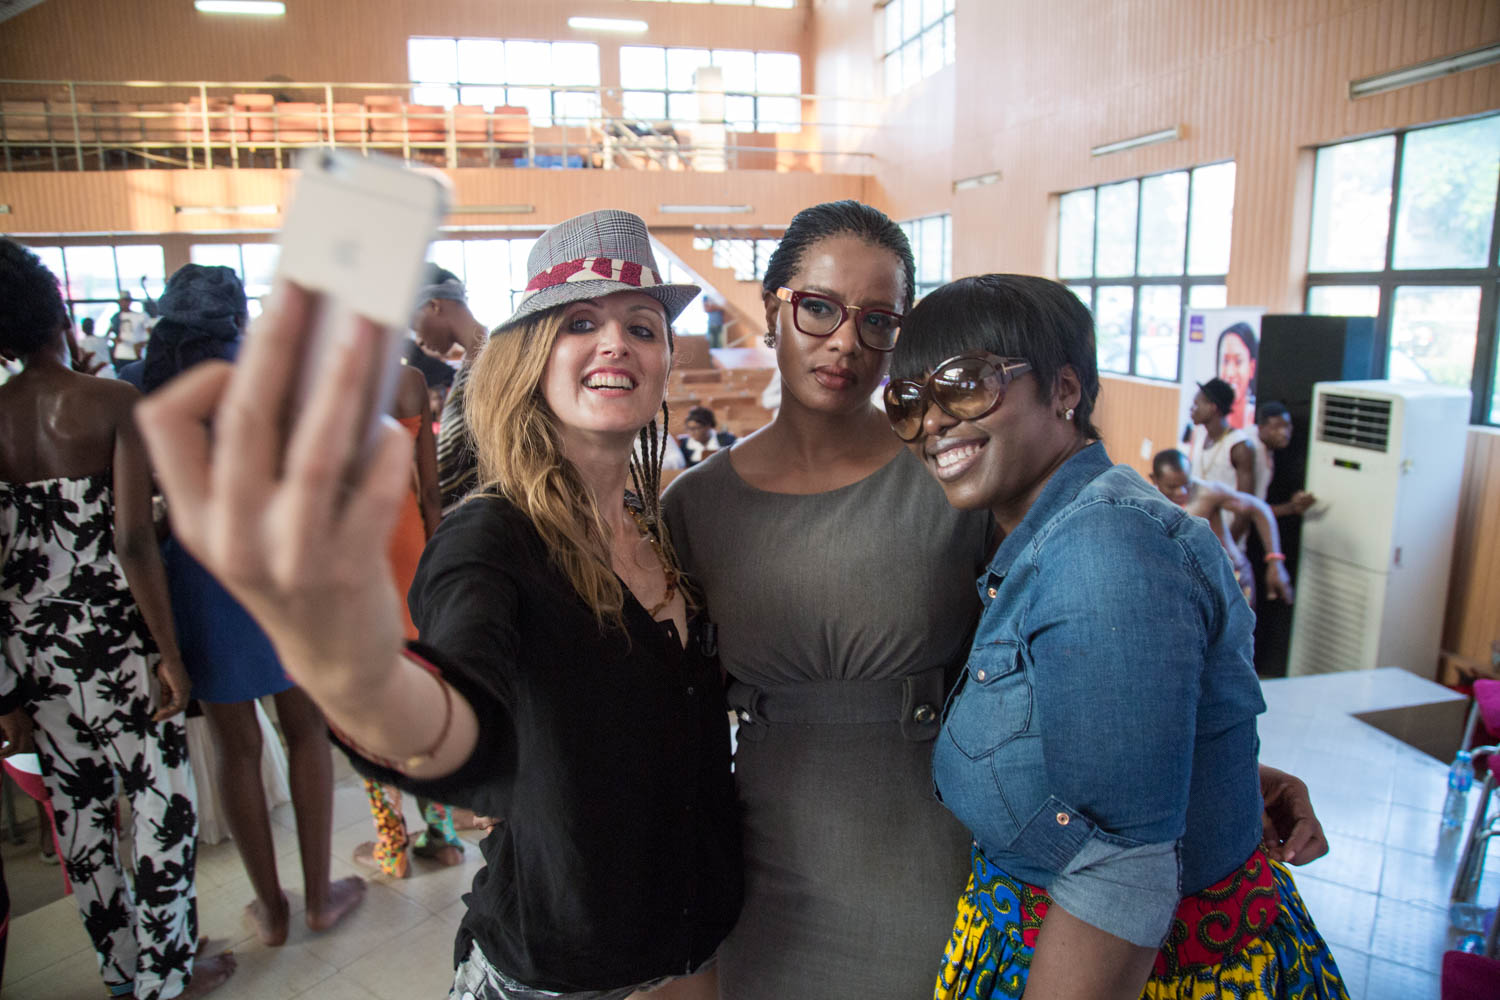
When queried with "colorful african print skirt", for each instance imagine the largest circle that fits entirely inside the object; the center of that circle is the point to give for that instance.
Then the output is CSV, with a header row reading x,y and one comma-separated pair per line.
x,y
1247,936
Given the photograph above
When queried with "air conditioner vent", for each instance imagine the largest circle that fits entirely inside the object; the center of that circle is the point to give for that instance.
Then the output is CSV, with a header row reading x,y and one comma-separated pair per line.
x,y
1355,421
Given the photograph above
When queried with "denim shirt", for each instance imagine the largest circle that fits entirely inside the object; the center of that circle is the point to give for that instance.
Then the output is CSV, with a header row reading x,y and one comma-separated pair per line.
x,y
1101,741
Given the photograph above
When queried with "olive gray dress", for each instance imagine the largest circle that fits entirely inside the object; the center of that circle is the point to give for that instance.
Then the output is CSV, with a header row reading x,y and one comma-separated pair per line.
x,y
839,614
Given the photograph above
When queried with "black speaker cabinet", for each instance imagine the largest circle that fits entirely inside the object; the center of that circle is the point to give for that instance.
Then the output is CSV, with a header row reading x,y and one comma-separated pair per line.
x,y
1295,353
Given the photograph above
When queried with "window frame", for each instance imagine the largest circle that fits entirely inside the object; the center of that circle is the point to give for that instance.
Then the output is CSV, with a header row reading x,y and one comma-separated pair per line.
x,y
1482,381
667,91
913,229
555,117
895,48
1136,281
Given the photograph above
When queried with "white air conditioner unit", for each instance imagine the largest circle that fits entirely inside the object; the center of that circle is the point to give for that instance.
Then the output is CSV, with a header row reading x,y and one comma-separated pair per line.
x,y
1385,460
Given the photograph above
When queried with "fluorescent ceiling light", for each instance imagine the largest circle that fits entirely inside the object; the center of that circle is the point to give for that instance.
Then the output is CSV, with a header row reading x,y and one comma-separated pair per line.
x,y
492,210
621,24
693,209
1150,138
224,209
262,8
981,180
1424,71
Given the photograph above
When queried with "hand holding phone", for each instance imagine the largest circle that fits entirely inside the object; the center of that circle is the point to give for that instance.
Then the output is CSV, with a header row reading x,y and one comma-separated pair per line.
x,y
282,477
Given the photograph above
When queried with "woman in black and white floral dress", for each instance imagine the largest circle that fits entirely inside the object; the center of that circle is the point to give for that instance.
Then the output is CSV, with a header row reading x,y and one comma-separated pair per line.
x,y
84,625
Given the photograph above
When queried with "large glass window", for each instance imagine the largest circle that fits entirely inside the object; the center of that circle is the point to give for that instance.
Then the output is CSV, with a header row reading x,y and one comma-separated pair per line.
x,y
783,4
494,271
94,276
495,72
1137,251
255,263
760,88
919,40
932,244
1404,230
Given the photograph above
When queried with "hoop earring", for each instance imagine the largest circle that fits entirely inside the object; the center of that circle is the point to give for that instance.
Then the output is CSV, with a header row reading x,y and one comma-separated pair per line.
x,y
770,339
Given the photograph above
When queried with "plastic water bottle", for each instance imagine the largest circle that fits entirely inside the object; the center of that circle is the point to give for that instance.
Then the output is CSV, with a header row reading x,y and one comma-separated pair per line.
x,y
1460,780
1473,944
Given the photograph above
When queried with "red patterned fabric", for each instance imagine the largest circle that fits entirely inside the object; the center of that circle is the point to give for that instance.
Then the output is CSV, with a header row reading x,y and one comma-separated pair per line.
x,y
626,272
1208,926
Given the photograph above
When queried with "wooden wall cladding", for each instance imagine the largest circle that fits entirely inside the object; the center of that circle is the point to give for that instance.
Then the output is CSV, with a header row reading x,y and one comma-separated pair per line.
x,y
1136,419
1473,620
345,40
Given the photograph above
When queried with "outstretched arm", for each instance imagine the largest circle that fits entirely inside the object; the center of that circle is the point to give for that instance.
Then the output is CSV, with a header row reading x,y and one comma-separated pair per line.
x,y
1248,507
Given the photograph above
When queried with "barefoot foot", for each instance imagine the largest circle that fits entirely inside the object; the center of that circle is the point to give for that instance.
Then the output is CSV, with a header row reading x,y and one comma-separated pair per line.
x,y
270,922
209,973
343,896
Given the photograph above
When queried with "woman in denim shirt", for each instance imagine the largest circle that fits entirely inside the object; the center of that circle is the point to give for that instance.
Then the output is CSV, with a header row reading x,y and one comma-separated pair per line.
x,y
1101,745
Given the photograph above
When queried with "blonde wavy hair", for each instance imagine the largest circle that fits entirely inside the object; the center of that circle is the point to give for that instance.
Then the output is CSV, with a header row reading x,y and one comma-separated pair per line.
x,y
521,459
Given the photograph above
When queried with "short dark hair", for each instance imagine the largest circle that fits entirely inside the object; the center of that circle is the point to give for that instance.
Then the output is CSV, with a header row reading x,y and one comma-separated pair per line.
x,y
1172,458
1270,411
839,218
33,309
701,415
1219,393
1014,316
87,325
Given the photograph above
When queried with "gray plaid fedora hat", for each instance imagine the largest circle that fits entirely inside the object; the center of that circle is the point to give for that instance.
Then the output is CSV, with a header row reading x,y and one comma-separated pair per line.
x,y
595,254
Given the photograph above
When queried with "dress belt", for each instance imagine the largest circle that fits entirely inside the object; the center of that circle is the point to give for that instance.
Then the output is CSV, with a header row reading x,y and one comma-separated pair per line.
x,y
915,701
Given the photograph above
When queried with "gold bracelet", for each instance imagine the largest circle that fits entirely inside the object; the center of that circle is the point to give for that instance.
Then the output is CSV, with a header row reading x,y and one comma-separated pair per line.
x,y
417,760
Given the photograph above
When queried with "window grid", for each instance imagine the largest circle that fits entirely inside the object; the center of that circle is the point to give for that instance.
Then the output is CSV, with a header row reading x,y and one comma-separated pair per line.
x,y
772,104
747,258
782,4
919,40
931,239
1387,282
1204,290
529,87
101,304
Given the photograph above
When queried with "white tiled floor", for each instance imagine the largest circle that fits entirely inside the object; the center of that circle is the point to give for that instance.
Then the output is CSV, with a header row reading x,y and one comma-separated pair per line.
x,y
1379,896
397,946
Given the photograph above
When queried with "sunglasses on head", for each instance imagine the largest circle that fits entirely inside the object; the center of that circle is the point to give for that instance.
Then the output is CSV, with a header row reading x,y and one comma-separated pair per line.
x,y
967,387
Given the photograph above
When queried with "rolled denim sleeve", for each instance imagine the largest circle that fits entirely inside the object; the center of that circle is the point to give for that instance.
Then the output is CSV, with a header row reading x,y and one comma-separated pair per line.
x,y
1130,892
1118,631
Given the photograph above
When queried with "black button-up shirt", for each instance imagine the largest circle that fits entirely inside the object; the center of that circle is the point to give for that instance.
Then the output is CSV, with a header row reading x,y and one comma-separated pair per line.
x,y
606,754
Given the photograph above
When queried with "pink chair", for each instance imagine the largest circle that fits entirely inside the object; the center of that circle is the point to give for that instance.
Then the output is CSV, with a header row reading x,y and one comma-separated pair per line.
x,y
26,770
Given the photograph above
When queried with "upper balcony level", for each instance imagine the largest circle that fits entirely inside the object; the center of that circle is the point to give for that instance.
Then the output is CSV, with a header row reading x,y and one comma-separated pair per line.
x,y
71,126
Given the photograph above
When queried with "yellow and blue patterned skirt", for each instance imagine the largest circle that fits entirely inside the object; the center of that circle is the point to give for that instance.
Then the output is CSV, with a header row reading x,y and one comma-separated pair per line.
x,y
1246,937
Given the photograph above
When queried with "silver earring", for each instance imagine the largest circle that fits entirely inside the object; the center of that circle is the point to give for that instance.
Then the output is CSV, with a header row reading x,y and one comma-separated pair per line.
x,y
1068,414
770,339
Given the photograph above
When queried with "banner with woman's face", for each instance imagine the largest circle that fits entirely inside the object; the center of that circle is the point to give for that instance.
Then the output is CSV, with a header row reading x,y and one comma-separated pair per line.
x,y
1222,343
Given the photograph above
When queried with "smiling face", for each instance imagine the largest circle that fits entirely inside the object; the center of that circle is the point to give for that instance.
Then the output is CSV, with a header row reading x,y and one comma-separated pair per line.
x,y
836,373
1276,432
1001,461
607,372
1236,366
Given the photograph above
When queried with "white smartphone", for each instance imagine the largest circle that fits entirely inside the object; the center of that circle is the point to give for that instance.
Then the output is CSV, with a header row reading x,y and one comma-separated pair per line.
x,y
356,234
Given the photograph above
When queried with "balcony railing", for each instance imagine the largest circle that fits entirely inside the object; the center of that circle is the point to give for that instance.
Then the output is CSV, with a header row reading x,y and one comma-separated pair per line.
x,y
126,125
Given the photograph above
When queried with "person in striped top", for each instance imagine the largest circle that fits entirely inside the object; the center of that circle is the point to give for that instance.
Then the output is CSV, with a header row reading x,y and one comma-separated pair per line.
x,y
442,322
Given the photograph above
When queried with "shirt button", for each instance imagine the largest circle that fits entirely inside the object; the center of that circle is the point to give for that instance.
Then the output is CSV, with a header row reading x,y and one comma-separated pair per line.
x,y
992,592
924,714
1063,819
980,675
690,689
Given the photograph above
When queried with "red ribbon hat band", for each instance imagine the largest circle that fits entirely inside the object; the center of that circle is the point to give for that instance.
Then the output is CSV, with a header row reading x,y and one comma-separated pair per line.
x,y
627,272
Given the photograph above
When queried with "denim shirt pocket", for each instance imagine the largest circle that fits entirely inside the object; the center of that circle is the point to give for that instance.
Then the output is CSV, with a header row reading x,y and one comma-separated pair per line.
x,y
994,703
